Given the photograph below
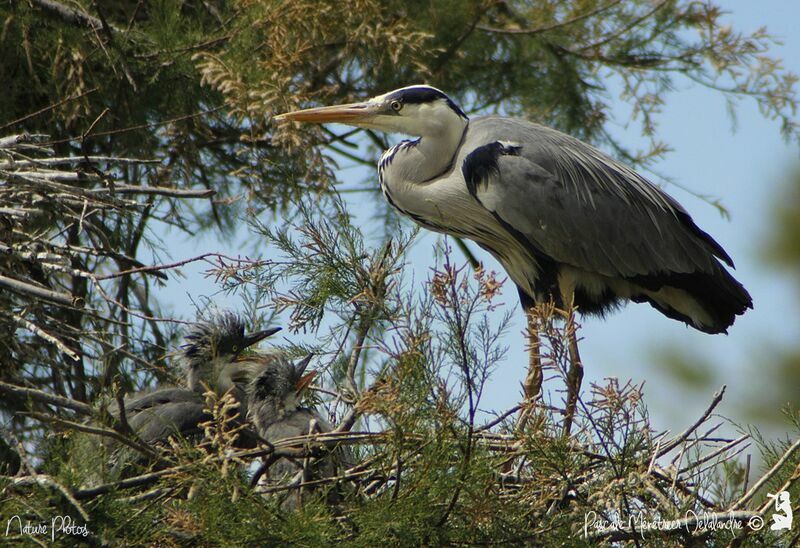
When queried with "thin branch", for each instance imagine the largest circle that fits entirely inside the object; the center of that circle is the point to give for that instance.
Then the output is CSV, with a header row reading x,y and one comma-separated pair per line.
x,y
713,454
619,32
499,419
156,191
99,431
44,397
553,26
675,442
15,164
39,292
36,330
171,265
47,108
766,477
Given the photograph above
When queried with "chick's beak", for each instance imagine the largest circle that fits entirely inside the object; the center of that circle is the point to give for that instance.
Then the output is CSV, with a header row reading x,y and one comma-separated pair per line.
x,y
258,336
351,113
304,381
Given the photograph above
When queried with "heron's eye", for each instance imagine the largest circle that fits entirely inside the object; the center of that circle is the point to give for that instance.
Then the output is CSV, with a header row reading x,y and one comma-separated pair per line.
x,y
396,105
235,348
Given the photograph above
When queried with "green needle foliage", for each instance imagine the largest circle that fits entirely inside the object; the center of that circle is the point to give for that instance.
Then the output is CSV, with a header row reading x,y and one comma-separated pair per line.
x,y
431,465
124,119
192,87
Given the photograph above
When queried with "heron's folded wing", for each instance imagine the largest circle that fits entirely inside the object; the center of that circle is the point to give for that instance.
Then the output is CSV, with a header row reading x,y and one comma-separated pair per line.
x,y
580,207
142,401
158,423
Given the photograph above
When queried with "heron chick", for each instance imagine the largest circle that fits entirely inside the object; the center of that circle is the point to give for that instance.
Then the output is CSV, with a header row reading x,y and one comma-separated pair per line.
x,y
277,414
212,355
212,349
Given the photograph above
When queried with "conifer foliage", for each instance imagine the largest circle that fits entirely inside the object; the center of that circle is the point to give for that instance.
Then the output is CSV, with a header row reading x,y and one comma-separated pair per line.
x,y
122,119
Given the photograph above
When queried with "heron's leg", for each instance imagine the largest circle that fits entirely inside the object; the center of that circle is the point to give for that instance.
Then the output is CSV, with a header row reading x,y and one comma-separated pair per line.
x,y
533,380
532,385
575,372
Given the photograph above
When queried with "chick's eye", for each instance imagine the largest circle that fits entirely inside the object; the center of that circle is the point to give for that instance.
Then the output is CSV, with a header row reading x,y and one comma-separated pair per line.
x,y
396,105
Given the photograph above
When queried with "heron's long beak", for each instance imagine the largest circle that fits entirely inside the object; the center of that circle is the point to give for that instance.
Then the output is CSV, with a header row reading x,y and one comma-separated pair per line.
x,y
352,113
258,336
305,380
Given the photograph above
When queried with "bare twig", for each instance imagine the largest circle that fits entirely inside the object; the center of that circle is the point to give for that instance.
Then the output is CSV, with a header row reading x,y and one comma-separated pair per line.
x,y
169,266
156,191
36,330
44,397
553,26
89,429
47,108
683,436
38,292
766,477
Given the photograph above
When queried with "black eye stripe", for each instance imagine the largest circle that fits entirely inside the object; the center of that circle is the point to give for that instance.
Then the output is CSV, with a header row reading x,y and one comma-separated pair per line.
x,y
423,94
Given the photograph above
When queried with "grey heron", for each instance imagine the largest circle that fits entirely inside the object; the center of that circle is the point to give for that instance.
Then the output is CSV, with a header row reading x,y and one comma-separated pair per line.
x,y
212,350
212,355
567,222
276,413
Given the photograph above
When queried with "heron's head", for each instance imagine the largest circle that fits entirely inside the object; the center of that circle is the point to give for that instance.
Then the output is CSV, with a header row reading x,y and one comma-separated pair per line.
x,y
214,343
414,110
277,389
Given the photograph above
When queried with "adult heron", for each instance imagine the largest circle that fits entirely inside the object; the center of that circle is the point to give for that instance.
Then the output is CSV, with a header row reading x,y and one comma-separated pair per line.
x,y
566,221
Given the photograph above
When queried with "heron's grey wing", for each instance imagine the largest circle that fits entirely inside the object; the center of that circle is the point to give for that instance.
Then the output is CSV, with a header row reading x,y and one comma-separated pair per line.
x,y
142,401
299,423
156,424
302,422
342,456
580,207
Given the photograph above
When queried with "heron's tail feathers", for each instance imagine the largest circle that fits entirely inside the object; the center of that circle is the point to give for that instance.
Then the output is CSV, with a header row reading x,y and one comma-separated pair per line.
x,y
706,301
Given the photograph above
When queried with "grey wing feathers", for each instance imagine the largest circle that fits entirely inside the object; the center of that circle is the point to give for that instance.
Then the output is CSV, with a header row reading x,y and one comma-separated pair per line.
x,y
285,470
298,423
582,208
139,402
165,412
156,424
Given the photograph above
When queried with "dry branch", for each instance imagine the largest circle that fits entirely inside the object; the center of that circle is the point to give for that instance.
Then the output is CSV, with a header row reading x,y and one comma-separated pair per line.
x,y
44,397
37,291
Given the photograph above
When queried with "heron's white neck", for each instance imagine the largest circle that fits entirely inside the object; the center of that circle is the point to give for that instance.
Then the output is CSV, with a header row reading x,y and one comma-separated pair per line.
x,y
427,157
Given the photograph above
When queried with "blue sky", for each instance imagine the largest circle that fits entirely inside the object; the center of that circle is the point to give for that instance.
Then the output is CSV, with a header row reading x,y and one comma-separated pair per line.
x,y
747,169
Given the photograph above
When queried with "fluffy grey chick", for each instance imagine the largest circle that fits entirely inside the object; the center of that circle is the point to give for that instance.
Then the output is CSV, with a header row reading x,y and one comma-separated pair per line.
x,y
212,357
276,414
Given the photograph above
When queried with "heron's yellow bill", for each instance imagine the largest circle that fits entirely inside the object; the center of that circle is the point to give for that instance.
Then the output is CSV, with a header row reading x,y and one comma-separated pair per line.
x,y
340,114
